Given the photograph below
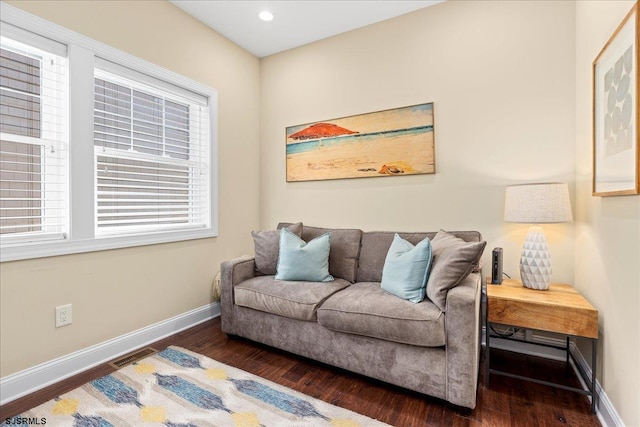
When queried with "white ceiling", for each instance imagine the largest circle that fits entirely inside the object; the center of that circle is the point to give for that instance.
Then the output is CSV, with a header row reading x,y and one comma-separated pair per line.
x,y
295,23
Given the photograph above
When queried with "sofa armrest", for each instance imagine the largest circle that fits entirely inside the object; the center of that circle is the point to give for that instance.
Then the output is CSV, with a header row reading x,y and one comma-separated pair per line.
x,y
462,328
232,272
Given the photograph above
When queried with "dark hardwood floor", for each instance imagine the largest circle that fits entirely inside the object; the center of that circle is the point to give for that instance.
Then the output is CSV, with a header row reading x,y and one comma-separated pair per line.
x,y
508,402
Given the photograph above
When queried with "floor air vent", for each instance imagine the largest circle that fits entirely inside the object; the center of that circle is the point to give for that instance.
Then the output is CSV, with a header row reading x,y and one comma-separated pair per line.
x,y
133,357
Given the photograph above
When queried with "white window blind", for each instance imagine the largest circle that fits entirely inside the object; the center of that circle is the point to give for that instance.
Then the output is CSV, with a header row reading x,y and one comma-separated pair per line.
x,y
151,158
33,143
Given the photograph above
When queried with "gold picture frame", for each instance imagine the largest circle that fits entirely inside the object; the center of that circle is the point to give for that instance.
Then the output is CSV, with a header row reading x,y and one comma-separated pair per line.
x,y
616,146
394,142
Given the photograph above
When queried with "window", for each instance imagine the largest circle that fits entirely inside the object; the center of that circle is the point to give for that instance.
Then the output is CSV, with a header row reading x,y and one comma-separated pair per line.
x,y
150,158
33,143
123,156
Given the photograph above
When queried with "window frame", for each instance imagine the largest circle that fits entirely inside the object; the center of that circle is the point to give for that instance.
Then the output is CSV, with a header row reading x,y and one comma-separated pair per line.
x,y
84,54
197,213
53,135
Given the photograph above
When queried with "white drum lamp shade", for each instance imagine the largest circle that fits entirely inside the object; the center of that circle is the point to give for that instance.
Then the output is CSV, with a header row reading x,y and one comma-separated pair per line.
x,y
537,204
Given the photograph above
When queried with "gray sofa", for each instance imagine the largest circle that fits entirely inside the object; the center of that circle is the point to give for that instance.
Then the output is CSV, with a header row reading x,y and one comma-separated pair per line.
x,y
353,324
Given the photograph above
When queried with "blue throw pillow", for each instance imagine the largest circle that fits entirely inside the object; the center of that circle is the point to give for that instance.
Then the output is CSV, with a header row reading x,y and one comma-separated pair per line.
x,y
406,269
299,260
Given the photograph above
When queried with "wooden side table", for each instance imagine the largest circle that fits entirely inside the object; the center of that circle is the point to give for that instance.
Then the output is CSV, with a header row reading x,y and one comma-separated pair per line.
x,y
560,309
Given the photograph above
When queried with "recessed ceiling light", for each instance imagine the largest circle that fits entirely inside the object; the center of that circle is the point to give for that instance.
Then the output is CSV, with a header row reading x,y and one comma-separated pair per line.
x,y
265,15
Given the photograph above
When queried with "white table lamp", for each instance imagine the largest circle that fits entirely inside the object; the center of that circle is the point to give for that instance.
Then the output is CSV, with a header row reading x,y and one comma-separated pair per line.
x,y
537,204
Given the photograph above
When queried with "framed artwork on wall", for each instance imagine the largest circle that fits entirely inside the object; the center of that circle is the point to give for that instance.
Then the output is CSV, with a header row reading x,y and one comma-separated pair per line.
x,y
395,142
616,150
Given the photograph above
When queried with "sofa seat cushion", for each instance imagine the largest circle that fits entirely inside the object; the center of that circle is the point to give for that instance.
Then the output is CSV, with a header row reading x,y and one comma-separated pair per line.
x,y
297,300
367,309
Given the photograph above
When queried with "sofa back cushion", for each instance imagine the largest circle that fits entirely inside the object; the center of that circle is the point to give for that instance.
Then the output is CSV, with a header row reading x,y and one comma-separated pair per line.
x,y
344,249
375,245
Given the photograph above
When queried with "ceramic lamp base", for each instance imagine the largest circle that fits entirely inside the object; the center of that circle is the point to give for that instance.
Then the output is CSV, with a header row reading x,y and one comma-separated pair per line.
x,y
535,262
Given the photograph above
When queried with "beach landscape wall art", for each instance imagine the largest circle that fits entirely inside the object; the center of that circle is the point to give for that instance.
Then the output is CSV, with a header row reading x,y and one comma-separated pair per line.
x,y
393,142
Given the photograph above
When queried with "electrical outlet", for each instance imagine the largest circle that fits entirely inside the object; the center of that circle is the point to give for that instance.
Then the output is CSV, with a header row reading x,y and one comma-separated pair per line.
x,y
63,315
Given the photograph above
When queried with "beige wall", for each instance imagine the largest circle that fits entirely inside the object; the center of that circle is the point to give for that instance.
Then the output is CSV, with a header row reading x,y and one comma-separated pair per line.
x,y
504,97
607,266
119,291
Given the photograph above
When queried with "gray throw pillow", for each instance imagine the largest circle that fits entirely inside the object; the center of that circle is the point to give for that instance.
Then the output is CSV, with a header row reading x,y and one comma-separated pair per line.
x,y
453,260
267,247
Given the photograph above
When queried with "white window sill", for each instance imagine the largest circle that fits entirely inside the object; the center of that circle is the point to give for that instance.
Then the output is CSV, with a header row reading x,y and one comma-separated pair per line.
x,y
68,247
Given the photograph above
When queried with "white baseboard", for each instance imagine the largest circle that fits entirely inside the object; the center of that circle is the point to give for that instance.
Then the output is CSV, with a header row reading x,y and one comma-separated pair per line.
x,y
24,382
606,412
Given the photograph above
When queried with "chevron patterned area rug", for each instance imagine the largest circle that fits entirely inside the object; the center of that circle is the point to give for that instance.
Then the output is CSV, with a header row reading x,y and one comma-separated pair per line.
x,y
179,388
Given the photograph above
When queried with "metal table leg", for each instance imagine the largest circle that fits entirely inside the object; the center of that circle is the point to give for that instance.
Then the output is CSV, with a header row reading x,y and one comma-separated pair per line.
x,y
594,370
487,348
